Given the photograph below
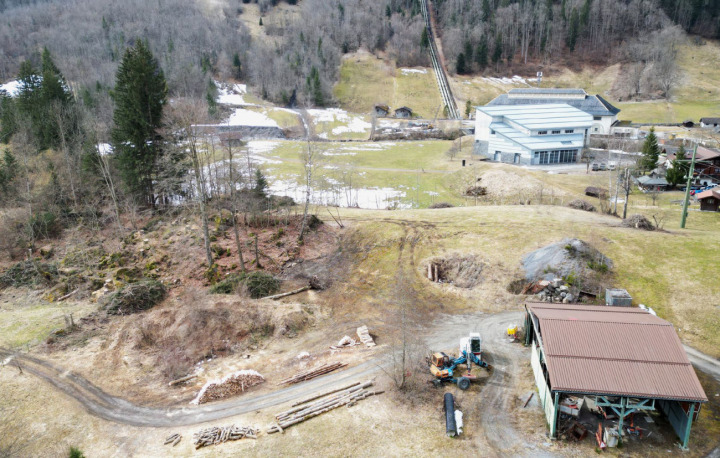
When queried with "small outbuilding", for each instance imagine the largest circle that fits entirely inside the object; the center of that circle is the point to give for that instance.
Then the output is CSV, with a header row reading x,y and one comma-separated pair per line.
x,y
623,360
710,122
709,200
381,111
403,112
650,183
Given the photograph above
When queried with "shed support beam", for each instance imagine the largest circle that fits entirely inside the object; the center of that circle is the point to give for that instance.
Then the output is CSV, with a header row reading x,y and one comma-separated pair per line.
x,y
553,427
686,436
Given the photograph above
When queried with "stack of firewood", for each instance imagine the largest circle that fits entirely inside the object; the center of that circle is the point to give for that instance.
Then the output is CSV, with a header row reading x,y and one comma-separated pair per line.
x,y
321,404
365,336
307,375
217,435
230,385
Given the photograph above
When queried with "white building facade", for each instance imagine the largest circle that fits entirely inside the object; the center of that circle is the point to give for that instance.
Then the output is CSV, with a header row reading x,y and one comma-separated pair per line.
x,y
531,134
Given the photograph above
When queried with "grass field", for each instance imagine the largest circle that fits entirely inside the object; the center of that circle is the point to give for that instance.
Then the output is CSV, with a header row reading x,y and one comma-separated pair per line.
x,y
366,80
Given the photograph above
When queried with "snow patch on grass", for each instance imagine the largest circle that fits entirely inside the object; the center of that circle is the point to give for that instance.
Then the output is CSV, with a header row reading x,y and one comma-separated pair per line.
x,y
231,95
370,198
243,117
410,71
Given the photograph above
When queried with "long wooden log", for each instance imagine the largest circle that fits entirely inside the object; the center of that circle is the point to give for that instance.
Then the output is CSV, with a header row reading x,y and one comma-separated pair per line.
x,y
322,370
324,401
325,394
289,293
183,379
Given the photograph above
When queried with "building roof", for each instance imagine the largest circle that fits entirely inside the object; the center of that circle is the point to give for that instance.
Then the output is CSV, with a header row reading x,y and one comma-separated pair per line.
x,y
702,154
714,192
592,104
646,180
710,120
618,351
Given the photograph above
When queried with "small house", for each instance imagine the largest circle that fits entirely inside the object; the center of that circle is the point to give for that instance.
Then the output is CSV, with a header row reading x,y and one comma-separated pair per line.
x,y
711,123
403,112
709,200
381,111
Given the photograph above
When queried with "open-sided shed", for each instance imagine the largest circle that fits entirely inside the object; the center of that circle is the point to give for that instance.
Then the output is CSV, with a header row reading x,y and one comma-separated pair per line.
x,y
625,358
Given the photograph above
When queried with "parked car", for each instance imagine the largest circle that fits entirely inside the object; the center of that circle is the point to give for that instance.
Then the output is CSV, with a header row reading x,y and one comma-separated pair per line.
x,y
603,166
612,165
595,167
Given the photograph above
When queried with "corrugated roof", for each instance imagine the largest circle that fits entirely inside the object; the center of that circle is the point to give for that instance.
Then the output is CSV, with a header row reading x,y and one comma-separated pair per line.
x,y
714,192
594,105
616,351
548,90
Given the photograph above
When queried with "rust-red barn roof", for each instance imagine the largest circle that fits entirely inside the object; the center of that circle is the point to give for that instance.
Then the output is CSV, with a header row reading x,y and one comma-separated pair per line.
x,y
621,351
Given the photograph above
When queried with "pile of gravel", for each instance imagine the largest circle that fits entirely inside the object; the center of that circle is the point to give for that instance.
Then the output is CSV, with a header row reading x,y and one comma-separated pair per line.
x,y
569,256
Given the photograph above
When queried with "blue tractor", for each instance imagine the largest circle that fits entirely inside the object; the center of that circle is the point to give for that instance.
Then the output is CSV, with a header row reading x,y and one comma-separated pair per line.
x,y
444,368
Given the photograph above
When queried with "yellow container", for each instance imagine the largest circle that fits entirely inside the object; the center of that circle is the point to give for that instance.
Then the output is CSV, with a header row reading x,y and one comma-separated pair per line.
x,y
512,330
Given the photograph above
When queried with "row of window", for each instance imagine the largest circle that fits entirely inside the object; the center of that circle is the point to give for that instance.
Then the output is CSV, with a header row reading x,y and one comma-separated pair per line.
x,y
564,156
556,132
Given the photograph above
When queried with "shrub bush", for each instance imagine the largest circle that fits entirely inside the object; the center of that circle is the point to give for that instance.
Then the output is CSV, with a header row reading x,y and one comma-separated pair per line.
x,y
135,297
261,284
28,273
228,285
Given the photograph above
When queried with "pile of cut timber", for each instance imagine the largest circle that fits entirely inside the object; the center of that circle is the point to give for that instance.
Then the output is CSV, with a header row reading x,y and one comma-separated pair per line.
x,y
307,375
364,336
229,385
348,395
216,435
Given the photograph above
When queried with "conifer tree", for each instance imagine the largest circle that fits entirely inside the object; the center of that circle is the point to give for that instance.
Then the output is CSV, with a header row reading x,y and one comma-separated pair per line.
x,y
481,55
650,151
679,170
460,66
140,95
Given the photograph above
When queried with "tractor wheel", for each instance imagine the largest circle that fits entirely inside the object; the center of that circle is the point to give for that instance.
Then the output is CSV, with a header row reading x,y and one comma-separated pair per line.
x,y
463,383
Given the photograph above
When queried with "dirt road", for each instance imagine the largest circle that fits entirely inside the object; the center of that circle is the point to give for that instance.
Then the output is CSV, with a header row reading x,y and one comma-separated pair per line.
x,y
496,395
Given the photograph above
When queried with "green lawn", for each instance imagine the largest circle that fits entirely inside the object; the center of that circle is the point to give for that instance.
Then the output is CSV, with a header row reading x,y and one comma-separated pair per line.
x,y
29,324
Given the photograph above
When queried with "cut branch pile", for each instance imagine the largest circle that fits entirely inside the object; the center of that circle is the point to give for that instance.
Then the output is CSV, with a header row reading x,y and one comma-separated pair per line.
x,y
229,385
217,435
324,403
365,337
307,375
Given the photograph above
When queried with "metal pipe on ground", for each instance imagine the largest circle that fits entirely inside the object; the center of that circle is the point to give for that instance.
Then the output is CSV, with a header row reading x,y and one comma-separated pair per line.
x,y
450,425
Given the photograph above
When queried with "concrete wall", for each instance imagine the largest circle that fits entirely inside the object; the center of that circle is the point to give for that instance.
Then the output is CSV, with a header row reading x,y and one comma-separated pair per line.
x,y
603,126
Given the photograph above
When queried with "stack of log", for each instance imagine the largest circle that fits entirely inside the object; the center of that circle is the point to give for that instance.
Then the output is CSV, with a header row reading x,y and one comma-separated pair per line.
x,y
365,337
325,402
217,435
307,375
229,385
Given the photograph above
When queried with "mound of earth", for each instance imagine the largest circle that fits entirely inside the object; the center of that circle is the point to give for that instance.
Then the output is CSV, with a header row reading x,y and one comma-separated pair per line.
x,y
569,257
500,183
463,271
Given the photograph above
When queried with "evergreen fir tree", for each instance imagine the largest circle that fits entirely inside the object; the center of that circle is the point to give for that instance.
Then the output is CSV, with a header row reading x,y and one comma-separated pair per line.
x,y
237,66
679,170
261,21
481,55
424,38
211,94
261,184
573,29
468,109
388,11
497,53
460,67
140,95
650,151
486,11
8,123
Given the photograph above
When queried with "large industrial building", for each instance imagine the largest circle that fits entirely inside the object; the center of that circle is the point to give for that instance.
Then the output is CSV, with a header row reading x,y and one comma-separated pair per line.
x,y
604,114
625,360
531,134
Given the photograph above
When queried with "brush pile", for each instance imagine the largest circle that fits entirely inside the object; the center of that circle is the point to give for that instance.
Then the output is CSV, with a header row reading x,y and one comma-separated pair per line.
x,y
307,375
320,404
639,222
579,204
229,385
218,435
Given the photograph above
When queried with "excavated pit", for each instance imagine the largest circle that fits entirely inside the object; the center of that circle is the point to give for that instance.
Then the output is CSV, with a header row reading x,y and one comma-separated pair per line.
x,y
462,271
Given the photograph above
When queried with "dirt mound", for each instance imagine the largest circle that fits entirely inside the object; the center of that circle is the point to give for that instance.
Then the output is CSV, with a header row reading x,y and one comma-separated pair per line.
x,y
197,326
463,271
567,258
441,205
579,204
638,222
500,183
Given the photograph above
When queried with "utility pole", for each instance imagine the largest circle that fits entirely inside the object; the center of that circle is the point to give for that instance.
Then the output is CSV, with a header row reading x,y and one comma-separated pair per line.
x,y
687,188
627,191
